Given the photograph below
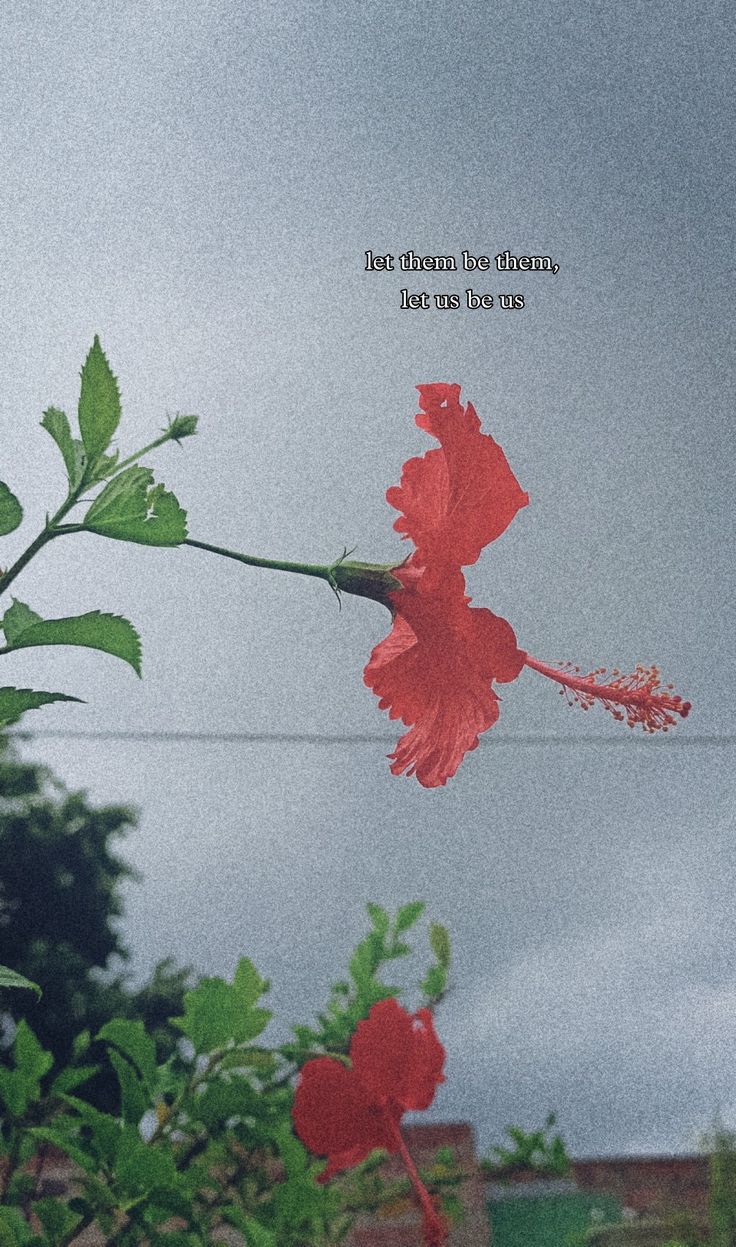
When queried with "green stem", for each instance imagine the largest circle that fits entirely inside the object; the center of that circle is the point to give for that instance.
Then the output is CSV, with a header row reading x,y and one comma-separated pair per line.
x,y
279,565
165,437
47,534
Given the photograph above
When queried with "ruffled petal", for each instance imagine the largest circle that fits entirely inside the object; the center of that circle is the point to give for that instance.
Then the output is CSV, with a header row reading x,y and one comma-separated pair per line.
x,y
397,1056
456,500
334,1115
434,672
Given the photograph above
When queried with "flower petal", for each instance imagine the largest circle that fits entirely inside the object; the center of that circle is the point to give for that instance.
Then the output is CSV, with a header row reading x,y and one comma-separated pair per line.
x,y
397,1056
456,500
334,1115
434,671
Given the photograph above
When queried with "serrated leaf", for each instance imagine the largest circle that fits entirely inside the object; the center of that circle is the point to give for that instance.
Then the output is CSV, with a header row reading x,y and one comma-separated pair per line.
x,y
11,512
135,1044
15,701
110,633
439,942
73,453
409,914
17,618
8,977
217,1013
132,508
99,402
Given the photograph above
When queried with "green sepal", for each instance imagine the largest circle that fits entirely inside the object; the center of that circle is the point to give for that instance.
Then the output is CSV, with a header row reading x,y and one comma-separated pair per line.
x,y
99,402
11,512
181,427
132,508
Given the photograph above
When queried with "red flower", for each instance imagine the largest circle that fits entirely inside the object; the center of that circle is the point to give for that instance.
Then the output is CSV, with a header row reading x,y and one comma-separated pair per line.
x,y
436,669
345,1113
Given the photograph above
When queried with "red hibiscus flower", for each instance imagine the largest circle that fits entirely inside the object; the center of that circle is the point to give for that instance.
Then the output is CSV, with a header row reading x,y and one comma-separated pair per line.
x,y
345,1113
436,668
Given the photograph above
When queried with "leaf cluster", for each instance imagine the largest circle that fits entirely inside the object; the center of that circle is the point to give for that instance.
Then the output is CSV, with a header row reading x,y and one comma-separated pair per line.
x,y
535,1151
204,1139
129,506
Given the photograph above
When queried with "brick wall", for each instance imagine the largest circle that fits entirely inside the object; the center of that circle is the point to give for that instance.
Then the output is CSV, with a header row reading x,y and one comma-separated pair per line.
x,y
650,1185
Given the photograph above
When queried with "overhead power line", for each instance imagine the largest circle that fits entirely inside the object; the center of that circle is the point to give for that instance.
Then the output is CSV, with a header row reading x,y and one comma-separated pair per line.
x,y
155,736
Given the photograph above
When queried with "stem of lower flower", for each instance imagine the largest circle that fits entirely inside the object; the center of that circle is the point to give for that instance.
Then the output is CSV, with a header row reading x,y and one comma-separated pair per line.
x,y
433,1224
279,565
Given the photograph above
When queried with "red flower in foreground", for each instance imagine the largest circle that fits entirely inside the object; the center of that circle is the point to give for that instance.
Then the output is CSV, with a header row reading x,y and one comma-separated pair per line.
x,y
345,1113
436,668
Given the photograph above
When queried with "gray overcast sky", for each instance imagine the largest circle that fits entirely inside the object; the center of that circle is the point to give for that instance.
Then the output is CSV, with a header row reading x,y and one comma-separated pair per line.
x,y
198,184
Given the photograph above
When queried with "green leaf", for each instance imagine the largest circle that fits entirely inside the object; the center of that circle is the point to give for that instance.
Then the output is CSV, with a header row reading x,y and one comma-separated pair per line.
x,y
103,466
379,918
72,1077
56,423
140,1167
110,633
248,983
132,508
11,512
105,1131
81,1043
14,1229
409,914
435,982
13,1092
439,942
223,1100
217,1013
99,402
58,1138
135,1044
13,703
31,1059
10,978
133,1099
58,1221
256,1235
17,618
